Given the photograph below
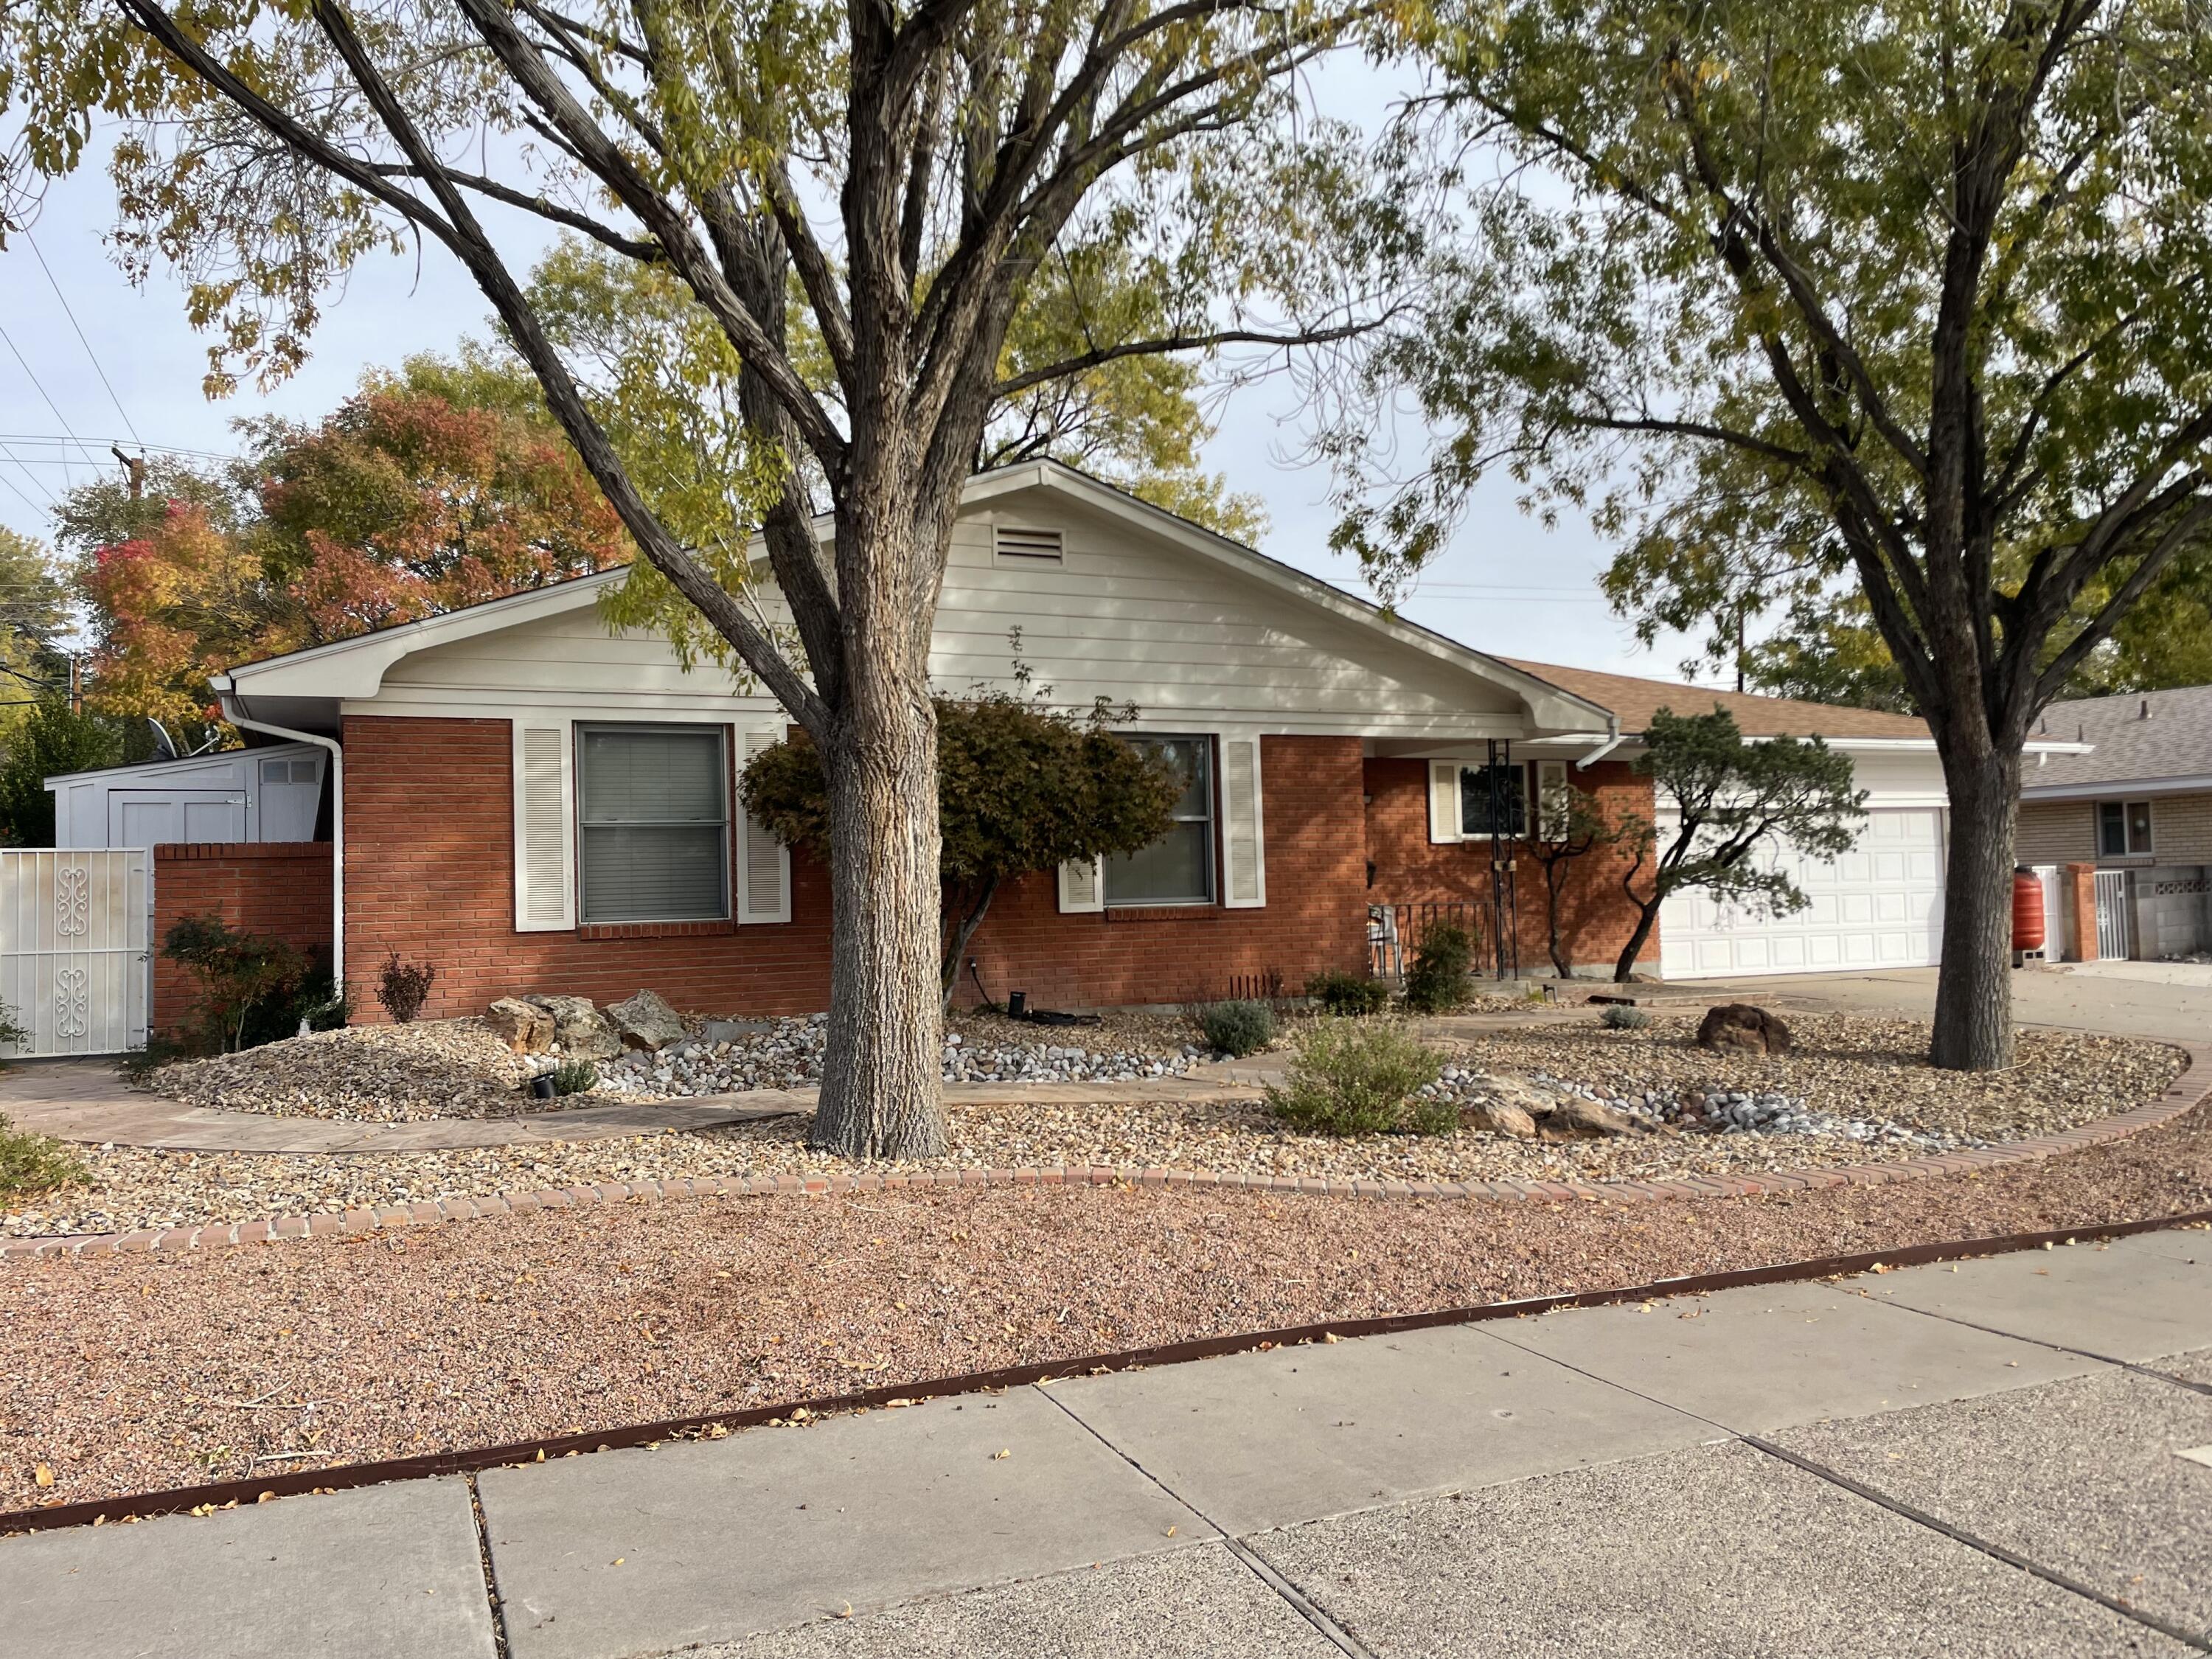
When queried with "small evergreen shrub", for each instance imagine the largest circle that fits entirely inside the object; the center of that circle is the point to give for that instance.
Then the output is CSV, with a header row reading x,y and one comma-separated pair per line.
x,y
253,989
1348,996
1237,1028
404,986
1619,1017
1438,981
1353,1078
31,1164
574,1077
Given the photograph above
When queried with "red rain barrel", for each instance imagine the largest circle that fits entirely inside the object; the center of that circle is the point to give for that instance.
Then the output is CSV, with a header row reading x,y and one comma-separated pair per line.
x,y
2026,910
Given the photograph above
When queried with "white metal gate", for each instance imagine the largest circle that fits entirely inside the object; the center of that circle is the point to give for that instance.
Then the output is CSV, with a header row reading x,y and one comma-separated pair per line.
x,y
2115,936
76,961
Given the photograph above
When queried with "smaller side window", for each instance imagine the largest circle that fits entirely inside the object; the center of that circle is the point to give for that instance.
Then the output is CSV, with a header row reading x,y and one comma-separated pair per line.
x,y
2111,829
2123,829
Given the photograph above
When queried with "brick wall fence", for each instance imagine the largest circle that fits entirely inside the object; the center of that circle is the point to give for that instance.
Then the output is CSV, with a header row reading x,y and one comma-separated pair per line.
x,y
275,888
1595,918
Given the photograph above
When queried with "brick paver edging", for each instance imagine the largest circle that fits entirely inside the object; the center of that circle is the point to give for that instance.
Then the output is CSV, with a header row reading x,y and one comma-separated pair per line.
x,y
2186,1093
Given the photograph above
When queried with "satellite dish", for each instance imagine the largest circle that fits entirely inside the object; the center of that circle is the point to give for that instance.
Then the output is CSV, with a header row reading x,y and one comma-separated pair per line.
x,y
165,746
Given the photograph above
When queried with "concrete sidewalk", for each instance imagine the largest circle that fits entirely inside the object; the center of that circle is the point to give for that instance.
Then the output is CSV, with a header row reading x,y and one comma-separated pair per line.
x,y
2109,998
2011,1457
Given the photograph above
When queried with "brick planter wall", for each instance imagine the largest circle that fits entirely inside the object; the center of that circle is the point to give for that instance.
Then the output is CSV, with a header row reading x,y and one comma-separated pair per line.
x,y
429,871
1595,917
279,889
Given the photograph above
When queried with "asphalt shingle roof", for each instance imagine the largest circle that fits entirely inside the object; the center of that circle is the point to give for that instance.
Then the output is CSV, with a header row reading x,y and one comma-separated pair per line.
x,y
2174,742
1636,700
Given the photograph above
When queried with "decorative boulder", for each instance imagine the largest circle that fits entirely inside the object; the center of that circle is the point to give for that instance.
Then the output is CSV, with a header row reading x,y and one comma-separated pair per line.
x,y
1500,1118
527,1028
1575,1116
646,1021
1739,1028
1516,1096
736,1030
582,1031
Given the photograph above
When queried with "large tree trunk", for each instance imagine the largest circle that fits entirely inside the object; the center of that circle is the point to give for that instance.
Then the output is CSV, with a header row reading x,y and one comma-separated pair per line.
x,y
1973,986
882,1079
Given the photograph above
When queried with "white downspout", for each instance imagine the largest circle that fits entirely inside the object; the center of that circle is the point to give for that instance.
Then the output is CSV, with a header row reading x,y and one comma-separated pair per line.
x,y
1613,741
233,711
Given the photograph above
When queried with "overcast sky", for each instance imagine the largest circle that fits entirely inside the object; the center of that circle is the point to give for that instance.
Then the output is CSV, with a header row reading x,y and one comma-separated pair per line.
x,y
1506,586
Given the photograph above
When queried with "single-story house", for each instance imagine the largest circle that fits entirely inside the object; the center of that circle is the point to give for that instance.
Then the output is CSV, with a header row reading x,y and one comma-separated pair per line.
x,y
2123,824
531,801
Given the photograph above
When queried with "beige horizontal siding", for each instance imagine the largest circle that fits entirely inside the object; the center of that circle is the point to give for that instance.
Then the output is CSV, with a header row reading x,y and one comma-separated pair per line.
x,y
2063,831
2056,832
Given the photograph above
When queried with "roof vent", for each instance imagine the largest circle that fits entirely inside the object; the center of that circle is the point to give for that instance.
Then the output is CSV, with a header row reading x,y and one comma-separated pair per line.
x,y
2143,712
1029,546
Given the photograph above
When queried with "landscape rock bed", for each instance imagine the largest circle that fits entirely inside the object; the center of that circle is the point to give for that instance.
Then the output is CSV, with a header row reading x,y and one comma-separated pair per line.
x,y
132,1372
463,1068
2064,1079
789,1057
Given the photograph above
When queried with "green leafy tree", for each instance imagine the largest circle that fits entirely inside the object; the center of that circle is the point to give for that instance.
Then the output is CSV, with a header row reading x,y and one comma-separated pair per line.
x,y
1916,292
1730,800
1021,788
896,176
53,740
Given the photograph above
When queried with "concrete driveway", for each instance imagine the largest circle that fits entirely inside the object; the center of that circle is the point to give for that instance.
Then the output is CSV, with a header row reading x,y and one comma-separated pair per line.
x,y
2167,1000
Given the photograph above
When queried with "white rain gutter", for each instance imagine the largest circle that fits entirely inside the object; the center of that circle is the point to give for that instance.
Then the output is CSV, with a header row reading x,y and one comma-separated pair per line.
x,y
233,711
1613,741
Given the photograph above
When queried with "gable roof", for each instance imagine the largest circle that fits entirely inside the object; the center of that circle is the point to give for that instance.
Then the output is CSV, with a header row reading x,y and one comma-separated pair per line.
x,y
1634,700
355,667
2141,737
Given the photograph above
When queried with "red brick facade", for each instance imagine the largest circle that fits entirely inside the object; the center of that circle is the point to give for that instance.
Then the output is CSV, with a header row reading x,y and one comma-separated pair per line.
x,y
430,873
1595,918
275,888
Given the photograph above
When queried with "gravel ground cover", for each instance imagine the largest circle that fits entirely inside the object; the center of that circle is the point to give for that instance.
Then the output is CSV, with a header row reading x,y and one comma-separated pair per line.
x,y
459,1068
1847,1076
2062,1079
122,1374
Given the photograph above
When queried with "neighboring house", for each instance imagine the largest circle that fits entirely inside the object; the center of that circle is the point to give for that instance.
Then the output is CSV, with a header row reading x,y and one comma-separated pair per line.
x,y
534,803
273,793
2124,830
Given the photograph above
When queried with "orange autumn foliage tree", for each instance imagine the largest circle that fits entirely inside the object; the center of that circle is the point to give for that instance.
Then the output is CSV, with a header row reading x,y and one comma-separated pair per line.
x,y
402,504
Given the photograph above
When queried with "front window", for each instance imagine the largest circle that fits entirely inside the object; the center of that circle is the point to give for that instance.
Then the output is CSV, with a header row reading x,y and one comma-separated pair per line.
x,y
652,808
1476,799
1178,868
2123,829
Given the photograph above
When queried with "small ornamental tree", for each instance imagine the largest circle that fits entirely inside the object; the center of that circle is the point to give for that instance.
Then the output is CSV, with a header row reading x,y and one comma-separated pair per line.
x,y
1570,824
1021,787
1729,798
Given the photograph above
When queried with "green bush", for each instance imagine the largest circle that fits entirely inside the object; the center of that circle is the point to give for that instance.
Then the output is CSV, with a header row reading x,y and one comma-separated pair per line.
x,y
1353,1078
1347,996
31,1164
1237,1028
1438,981
252,990
574,1077
1619,1017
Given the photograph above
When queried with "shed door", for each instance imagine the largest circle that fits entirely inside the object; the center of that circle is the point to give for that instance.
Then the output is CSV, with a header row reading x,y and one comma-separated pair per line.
x,y
1880,905
147,818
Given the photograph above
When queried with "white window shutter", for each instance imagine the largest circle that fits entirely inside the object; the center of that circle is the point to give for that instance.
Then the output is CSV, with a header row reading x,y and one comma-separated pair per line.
x,y
1444,819
763,862
1083,886
1243,841
544,828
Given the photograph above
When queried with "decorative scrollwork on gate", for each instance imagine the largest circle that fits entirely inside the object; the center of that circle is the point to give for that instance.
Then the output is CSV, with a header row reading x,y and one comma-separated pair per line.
x,y
72,900
72,1001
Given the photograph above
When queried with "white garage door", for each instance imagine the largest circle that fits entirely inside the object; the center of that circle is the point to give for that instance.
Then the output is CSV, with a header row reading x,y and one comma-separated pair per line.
x,y
1880,905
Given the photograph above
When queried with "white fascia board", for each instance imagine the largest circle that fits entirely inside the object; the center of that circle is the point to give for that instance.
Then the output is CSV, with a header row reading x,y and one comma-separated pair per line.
x,y
1548,705
355,667
2116,789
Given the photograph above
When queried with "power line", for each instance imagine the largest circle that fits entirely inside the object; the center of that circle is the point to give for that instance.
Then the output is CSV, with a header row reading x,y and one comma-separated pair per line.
x,y
43,392
82,341
102,445
30,478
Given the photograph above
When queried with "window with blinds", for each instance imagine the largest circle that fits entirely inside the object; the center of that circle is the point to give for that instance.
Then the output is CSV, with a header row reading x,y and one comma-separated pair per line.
x,y
653,820
1178,868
